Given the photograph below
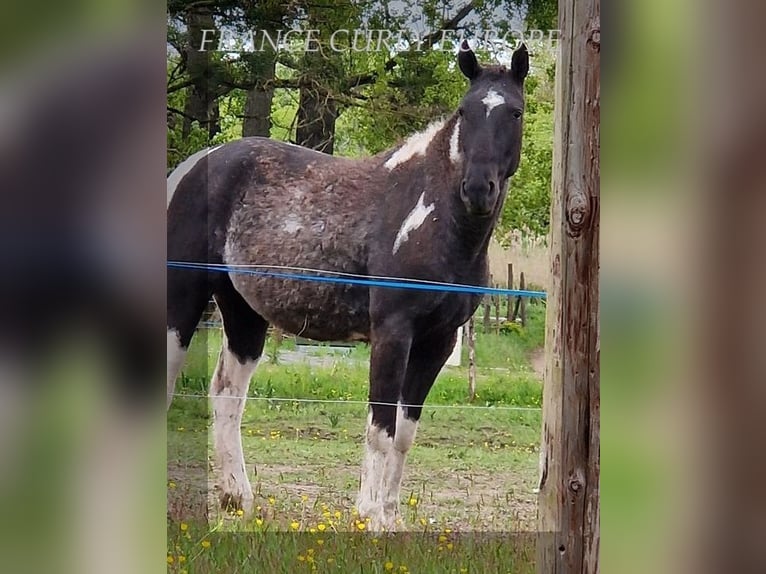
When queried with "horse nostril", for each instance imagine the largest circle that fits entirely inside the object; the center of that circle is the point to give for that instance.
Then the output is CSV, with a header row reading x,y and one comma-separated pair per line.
x,y
491,186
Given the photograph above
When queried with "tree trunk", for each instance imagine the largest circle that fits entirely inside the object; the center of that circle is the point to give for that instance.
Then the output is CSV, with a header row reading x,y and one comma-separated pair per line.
x,y
257,119
201,100
317,113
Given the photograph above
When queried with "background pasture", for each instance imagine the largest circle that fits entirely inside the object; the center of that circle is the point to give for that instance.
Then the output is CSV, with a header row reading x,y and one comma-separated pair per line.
x,y
470,476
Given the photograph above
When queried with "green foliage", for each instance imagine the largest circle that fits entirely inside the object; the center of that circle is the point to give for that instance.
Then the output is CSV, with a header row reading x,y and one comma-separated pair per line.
x,y
527,206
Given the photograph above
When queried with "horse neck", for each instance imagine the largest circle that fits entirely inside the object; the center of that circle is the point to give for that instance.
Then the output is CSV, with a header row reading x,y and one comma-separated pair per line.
x,y
466,236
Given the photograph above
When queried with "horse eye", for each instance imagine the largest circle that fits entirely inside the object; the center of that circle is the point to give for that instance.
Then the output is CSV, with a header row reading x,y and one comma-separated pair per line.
x,y
517,114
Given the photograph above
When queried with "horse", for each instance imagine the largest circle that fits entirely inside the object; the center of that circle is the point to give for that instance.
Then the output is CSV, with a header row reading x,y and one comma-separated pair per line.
x,y
424,210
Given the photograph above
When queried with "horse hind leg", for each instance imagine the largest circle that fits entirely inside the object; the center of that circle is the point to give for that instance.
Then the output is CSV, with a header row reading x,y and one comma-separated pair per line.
x,y
188,294
244,337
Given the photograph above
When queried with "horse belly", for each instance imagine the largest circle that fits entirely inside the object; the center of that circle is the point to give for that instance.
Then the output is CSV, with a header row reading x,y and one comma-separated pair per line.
x,y
318,310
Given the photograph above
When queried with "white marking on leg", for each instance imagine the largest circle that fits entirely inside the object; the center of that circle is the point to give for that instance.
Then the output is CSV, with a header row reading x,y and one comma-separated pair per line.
x,y
231,379
416,144
176,356
377,445
405,431
185,167
413,221
492,100
454,143
392,478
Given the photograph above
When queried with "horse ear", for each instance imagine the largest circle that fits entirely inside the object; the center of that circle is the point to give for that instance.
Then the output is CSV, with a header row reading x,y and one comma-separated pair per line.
x,y
520,64
467,62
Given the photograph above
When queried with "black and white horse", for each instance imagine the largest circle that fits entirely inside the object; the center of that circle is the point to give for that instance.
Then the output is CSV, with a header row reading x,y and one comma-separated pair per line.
x,y
425,210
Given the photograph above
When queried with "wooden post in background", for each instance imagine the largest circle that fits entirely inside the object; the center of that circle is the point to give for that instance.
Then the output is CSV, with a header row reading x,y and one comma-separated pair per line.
x,y
471,340
569,459
523,311
510,297
497,312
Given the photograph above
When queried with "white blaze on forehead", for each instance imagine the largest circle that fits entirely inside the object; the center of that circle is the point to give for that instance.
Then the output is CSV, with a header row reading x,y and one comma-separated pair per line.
x,y
185,167
413,221
454,143
492,100
416,144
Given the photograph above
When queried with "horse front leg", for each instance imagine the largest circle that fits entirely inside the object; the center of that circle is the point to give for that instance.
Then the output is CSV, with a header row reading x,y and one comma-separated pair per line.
x,y
426,359
388,365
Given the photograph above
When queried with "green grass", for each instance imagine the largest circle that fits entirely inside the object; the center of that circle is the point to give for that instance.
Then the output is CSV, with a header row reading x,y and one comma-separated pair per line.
x,y
471,471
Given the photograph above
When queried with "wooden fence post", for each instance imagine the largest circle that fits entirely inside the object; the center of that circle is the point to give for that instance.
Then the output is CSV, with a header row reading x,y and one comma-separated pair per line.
x,y
510,297
523,311
497,312
569,459
471,340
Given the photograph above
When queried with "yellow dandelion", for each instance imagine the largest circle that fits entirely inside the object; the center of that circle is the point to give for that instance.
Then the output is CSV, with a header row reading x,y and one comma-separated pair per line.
x,y
447,530
259,521
321,527
402,568
171,484
240,512
183,572
272,500
320,541
440,548
326,514
361,525
330,560
170,559
184,527
463,570
310,551
313,530
442,538
304,497
450,546
412,501
301,557
374,541
294,525
388,566
354,512
205,544
181,559
337,514
423,521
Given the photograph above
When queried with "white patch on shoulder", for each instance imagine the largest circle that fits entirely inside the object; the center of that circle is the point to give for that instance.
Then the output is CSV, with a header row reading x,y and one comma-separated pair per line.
x,y
185,167
416,144
413,221
492,100
454,143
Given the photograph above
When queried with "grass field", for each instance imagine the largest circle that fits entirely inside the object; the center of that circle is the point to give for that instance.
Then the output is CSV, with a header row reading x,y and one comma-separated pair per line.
x,y
469,481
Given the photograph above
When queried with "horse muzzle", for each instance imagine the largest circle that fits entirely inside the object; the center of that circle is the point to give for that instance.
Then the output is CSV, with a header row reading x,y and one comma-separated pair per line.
x,y
479,196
